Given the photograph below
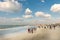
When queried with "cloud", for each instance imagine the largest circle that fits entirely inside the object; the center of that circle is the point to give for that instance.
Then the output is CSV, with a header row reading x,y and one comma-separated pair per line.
x,y
10,6
21,21
42,14
47,15
42,0
55,8
27,16
16,19
28,11
5,20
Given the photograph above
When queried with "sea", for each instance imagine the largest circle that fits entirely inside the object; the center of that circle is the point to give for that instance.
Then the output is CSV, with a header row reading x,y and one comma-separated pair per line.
x,y
10,29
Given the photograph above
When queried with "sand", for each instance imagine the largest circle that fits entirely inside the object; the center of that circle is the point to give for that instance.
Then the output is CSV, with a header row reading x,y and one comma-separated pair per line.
x,y
39,34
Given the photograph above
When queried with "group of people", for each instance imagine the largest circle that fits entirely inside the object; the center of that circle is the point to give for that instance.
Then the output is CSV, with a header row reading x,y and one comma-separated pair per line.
x,y
31,30
48,26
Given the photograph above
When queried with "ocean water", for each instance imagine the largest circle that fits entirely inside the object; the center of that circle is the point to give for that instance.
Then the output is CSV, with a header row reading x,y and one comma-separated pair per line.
x,y
11,30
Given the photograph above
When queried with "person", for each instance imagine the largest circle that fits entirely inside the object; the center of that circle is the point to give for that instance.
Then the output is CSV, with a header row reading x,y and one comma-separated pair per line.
x,y
28,30
50,27
38,26
54,26
44,27
32,30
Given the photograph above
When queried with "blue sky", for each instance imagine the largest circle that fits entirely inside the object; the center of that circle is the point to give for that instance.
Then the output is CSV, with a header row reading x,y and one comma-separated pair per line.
x,y
28,10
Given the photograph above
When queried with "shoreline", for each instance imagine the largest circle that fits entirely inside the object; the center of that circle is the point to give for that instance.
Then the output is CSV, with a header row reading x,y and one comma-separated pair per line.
x,y
39,34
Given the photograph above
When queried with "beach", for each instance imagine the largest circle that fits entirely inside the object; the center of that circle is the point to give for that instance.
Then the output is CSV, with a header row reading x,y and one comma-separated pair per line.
x,y
39,34
29,19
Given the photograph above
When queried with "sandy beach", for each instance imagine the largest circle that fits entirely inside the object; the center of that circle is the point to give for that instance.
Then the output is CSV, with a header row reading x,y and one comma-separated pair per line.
x,y
29,19
39,34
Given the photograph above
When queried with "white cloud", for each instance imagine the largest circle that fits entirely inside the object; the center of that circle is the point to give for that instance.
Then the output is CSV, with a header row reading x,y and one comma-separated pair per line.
x,y
39,14
55,8
47,15
27,16
10,6
28,11
5,20
20,21
17,19
42,14
42,0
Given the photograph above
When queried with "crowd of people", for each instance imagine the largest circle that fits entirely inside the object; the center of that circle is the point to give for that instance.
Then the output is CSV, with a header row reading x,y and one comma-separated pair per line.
x,y
31,30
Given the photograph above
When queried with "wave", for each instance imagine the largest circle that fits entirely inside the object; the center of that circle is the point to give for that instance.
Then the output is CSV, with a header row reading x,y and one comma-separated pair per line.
x,y
14,30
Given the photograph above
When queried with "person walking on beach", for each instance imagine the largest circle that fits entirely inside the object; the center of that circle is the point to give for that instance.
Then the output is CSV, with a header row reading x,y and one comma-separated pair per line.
x,y
29,30
32,30
54,26
50,26
38,26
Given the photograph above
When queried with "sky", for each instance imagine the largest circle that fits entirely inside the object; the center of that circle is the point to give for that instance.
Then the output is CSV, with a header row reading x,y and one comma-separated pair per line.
x,y
29,12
